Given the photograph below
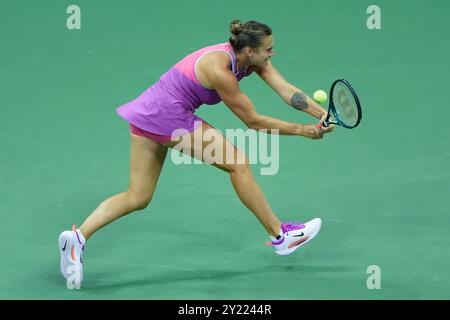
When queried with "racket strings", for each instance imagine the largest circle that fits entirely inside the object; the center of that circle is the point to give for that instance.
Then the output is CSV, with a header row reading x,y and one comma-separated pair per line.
x,y
345,104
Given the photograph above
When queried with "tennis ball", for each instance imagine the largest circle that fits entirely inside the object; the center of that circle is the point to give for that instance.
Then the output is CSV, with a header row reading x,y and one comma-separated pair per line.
x,y
320,96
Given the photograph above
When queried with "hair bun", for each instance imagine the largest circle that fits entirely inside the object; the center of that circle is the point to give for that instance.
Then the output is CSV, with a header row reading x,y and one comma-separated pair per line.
x,y
236,27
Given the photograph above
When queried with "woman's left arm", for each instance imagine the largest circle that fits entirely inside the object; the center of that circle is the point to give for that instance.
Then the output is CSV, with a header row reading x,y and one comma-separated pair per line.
x,y
290,94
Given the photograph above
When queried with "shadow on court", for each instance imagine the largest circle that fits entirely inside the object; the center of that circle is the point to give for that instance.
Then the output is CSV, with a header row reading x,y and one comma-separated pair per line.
x,y
195,276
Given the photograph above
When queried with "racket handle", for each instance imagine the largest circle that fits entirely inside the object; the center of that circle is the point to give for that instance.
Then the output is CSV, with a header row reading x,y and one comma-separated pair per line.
x,y
324,124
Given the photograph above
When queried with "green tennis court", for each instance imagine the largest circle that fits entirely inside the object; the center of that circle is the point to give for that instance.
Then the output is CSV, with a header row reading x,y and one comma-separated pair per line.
x,y
381,189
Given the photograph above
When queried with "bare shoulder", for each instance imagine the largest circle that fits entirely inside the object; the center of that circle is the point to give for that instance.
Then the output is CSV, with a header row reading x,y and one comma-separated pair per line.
x,y
216,58
210,65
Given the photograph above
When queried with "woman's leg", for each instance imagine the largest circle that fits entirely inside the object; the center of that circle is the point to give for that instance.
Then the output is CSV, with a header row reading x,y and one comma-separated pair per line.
x,y
146,161
241,175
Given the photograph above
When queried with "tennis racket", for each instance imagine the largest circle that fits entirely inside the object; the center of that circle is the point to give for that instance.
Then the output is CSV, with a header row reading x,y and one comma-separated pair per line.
x,y
344,108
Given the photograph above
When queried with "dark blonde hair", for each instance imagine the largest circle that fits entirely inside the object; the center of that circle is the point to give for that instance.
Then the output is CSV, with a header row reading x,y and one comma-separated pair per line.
x,y
249,34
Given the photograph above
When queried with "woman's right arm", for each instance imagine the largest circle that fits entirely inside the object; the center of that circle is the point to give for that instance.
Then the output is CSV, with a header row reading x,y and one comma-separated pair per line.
x,y
227,86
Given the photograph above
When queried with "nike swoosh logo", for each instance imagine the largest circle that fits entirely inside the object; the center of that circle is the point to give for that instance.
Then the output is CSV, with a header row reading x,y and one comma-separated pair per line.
x,y
300,235
64,248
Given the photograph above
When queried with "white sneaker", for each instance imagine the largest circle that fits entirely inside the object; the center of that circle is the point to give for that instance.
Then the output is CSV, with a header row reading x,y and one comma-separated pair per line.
x,y
295,235
71,247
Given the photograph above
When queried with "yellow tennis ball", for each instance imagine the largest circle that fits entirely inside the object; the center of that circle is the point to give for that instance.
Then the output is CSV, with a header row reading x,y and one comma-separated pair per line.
x,y
320,96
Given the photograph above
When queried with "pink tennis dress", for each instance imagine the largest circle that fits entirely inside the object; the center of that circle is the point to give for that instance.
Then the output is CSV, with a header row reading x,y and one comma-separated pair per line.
x,y
171,102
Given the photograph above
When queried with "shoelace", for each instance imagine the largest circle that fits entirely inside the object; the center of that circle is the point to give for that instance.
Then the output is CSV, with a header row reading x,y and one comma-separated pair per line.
x,y
287,226
292,225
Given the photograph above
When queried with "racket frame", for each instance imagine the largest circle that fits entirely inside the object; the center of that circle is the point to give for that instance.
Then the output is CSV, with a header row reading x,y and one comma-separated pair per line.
x,y
332,109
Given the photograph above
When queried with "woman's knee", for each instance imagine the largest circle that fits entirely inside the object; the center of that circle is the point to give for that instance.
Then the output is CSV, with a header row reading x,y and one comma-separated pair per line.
x,y
138,200
243,167
239,163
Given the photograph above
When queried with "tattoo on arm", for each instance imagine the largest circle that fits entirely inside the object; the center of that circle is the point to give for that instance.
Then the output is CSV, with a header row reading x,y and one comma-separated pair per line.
x,y
299,101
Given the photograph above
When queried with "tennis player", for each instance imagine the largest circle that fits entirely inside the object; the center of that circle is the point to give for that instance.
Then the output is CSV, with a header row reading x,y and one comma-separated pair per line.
x,y
207,76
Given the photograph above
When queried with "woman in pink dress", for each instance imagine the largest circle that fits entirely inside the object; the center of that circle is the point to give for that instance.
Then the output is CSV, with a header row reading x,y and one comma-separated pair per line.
x,y
207,76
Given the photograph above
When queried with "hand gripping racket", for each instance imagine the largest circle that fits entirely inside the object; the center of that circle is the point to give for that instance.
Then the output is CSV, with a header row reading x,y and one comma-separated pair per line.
x,y
344,108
